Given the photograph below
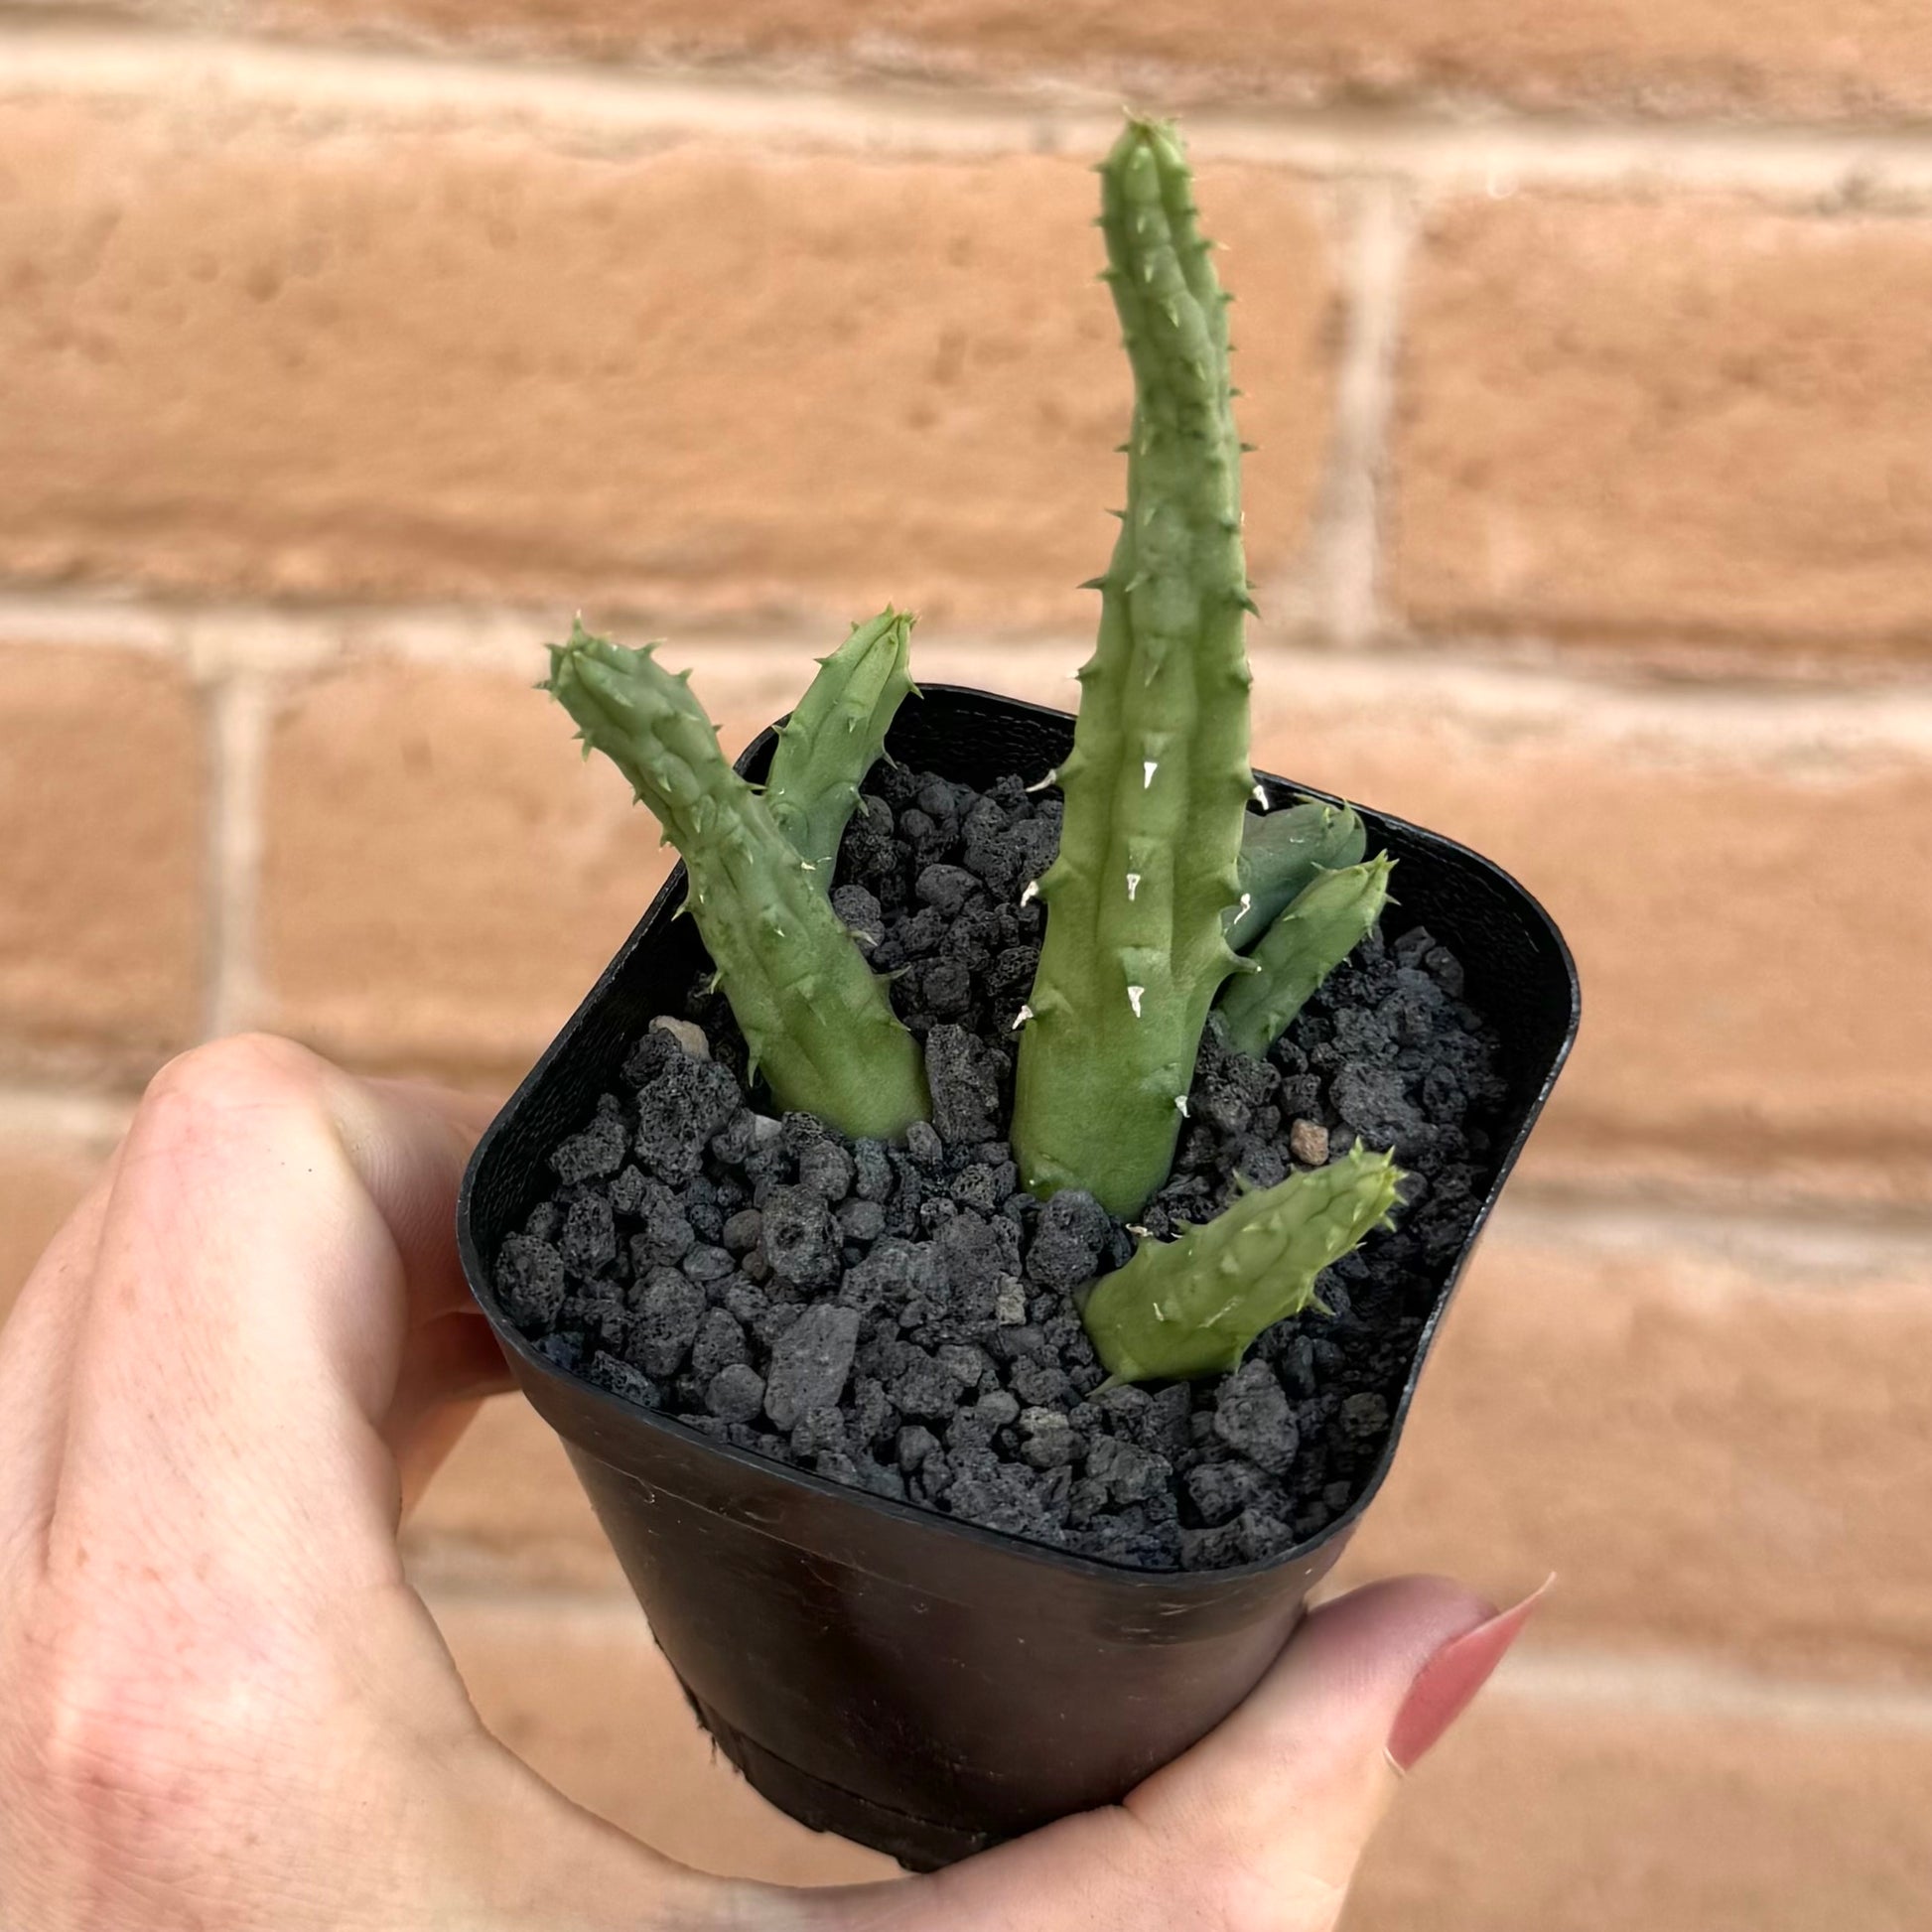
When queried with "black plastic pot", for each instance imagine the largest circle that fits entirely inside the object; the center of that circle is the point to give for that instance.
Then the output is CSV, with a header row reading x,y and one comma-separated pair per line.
x,y
913,1683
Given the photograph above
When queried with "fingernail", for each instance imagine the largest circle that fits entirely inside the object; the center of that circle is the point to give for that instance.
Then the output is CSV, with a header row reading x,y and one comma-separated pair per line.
x,y
1445,1683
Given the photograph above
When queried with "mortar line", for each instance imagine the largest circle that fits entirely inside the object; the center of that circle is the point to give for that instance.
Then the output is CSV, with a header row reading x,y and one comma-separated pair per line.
x,y
80,620
1458,145
1679,1685
41,1113
1674,1683
1764,716
1790,1244
299,633
239,719
1341,579
1807,730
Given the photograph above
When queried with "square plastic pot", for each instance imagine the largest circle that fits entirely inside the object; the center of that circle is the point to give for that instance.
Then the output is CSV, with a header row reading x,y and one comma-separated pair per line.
x,y
917,1684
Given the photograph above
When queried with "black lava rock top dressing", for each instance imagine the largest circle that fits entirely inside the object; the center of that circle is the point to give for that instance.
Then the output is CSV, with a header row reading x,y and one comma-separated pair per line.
x,y
902,1318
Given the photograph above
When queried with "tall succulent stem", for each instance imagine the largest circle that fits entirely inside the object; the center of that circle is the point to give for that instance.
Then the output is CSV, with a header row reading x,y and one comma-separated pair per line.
x,y
1157,780
818,1020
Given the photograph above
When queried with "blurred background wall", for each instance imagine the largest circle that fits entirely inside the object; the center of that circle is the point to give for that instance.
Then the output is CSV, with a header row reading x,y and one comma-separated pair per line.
x,y
349,346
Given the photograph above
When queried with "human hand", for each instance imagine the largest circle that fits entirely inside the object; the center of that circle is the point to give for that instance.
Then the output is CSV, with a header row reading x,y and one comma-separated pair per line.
x,y
221,1706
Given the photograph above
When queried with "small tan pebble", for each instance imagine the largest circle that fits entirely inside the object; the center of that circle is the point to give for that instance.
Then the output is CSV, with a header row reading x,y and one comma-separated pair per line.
x,y
1307,1141
687,1032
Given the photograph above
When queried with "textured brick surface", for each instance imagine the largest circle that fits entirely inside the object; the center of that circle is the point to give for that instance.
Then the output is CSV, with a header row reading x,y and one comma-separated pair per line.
x,y
1708,1452
1787,54
102,797
505,1510
1743,1003
307,339
581,1692
1667,420
1622,1812
272,356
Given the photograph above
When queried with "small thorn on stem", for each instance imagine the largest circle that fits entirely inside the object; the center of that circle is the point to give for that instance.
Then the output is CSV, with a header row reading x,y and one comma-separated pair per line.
x,y
1020,1018
1030,894
1134,996
1260,797
1149,767
1052,779
1181,1102
1133,885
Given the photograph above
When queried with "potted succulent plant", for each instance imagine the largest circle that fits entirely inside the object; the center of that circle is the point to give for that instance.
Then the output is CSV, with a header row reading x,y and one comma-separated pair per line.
x,y
979,1237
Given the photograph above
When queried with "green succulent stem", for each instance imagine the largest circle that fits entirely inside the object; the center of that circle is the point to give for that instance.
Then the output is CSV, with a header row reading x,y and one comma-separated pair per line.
x,y
1324,922
1193,1306
835,736
1281,853
818,1020
1157,785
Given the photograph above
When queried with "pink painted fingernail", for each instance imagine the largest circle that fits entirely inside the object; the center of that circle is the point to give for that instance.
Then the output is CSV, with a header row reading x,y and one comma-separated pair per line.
x,y
1445,1683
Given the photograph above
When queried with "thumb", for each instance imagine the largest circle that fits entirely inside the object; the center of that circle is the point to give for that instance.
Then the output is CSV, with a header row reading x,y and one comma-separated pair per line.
x,y
1260,1825
1293,1783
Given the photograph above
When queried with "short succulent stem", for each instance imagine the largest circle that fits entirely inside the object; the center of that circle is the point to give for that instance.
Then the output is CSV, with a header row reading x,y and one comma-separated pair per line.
x,y
1322,926
1193,1306
835,736
819,1022
1281,853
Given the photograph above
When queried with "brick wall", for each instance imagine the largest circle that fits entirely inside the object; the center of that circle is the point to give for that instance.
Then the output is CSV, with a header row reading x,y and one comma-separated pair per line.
x,y
354,344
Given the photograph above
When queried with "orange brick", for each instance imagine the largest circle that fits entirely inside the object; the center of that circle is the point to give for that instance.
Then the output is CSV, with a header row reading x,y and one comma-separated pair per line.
x,y
1657,1811
1720,1453
507,1509
42,1176
580,1691
273,355
1669,421
103,795
1713,54
1746,1004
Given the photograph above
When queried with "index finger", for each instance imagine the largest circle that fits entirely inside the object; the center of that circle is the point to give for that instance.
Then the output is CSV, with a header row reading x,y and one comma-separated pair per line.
x,y
275,1233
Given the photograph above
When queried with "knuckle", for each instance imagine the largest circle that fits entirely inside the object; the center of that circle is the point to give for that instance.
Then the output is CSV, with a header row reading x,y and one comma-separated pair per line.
x,y
128,1753
199,1094
1254,1897
242,1066
1249,1873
